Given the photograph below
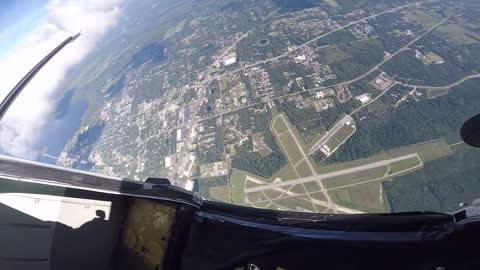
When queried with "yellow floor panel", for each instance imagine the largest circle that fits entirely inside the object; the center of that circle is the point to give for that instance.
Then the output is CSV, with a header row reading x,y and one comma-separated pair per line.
x,y
147,231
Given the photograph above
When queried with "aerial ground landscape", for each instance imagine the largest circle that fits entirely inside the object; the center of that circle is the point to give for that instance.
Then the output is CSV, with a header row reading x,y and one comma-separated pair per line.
x,y
332,106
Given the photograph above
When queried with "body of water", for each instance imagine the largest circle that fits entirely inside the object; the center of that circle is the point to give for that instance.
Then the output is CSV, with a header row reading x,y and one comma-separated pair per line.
x,y
59,130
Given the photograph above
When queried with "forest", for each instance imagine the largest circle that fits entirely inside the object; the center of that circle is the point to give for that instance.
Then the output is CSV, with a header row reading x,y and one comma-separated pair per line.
x,y
249,161
210,153
205,184
385,128
310,122
460,61
341,36
440,186
351,60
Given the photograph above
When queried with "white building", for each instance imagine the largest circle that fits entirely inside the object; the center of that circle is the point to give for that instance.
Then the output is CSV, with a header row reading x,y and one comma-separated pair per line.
x,y
179,135
189,185
363,98
168,162
230,59
300,58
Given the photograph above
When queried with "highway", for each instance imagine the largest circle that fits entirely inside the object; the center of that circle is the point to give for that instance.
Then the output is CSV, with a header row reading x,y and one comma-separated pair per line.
x,y
404,48
474,76
330,133
319,37
319,177
373,100
376,67
231,47
321,87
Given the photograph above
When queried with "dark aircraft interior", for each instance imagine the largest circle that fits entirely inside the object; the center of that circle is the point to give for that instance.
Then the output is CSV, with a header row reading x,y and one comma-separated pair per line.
x,y
146,233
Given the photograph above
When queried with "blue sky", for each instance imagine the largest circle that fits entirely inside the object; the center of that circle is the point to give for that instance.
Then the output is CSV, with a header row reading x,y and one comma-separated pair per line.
x,y
17,19
29,29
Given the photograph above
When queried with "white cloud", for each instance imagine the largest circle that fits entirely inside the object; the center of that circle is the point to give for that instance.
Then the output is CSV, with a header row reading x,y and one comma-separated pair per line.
x,y
23,123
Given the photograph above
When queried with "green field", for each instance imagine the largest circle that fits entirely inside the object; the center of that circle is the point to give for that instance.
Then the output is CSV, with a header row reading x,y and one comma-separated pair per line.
x,y
355,178
434,93
404,165
318,196
459,34
261,204
287,144
368,198
334,55
321,209
291,148
298,189
272,194
332,144
440,185
351,60
221,193
346,165
303,169
432,58
344,133
332,3
250,184
296,133
425,18
237,187
427,151
286,173
312,186
256,196
279,126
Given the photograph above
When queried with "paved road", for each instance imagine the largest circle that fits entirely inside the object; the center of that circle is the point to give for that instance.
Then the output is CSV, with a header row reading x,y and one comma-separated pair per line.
x,y
318,177
349,81
246,34
388,59
315,88
291,194
331,205
371,101
330,133
443,87
404,48
386,176
319,37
